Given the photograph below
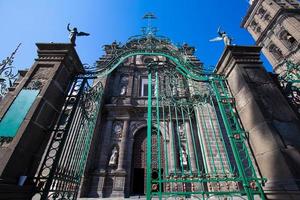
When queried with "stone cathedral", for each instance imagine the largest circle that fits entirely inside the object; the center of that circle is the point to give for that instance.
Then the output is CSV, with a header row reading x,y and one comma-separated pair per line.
x,y
150,121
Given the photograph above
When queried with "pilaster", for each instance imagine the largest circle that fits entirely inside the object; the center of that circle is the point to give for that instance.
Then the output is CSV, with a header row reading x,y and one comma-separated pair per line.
x,y
50,76
272,125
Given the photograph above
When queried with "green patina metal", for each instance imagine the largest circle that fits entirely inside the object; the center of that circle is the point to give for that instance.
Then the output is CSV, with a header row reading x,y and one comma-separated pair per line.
x,y
188,111
226,168
180,65
289,80
61,170
16,114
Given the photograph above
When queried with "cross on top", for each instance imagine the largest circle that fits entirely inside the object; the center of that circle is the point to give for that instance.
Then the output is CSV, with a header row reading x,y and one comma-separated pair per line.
x,y
149,30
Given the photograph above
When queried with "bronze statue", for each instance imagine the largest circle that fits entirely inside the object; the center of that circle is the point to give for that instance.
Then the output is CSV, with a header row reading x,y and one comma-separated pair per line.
x,y
73,33
222,36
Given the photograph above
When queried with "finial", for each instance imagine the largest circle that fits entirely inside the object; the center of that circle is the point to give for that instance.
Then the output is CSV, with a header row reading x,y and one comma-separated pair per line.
x,y
7,75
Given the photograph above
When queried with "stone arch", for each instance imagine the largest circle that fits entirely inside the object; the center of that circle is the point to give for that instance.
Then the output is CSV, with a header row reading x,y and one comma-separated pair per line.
x,y
139,154
144,124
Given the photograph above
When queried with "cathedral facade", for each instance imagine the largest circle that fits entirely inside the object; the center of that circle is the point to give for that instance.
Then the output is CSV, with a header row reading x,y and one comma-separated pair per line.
x,y
150,120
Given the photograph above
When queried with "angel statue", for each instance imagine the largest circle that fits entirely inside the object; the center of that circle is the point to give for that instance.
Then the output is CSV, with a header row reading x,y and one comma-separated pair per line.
x,y
222,36
73,33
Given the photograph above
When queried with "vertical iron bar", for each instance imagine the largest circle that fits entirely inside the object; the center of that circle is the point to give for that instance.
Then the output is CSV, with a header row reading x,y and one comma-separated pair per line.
x,y
61,146
149,135
158,134
232,143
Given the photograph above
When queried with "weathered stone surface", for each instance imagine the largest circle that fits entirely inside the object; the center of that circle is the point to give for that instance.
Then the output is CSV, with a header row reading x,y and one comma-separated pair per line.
x,y
53,70
267,117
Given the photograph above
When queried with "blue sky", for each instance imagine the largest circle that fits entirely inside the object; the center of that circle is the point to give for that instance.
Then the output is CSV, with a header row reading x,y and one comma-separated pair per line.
x,y
190,21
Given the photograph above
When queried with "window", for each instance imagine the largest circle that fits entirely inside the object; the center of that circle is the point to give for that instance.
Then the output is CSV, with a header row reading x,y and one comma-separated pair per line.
x,y
276,52
144,87
288,39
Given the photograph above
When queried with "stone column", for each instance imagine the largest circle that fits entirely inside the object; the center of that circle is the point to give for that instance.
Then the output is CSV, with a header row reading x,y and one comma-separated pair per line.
x,y
130,84
128,164
272,125
171,150
50,76
191,147
123,146
98,175
105,147
119,175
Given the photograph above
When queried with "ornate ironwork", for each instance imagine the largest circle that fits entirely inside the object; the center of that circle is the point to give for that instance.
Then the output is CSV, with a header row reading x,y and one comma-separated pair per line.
x,y
208,156
64,161
7,75
289,80
190,109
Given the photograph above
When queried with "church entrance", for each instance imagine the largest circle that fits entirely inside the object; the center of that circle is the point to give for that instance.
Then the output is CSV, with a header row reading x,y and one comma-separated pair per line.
x,y
138,172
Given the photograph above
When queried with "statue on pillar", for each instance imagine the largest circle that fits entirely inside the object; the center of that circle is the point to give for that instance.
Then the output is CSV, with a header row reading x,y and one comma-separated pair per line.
x,y
73,33
114,157
222,36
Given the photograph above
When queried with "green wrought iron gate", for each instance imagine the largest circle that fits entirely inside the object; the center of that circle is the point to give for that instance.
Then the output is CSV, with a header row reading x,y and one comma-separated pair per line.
x,y
192,113
66,154
205,150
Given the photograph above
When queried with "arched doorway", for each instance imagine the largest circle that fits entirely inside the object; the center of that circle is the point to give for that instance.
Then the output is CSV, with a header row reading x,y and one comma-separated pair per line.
x,y
138,169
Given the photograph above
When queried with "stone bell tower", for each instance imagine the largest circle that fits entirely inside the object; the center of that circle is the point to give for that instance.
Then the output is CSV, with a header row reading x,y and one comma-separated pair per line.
x,y
275,25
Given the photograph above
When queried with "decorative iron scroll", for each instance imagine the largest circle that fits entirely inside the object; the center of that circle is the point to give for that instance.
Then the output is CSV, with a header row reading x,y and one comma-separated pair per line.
x,y
290,83
60,173
7,75
204,145
204,153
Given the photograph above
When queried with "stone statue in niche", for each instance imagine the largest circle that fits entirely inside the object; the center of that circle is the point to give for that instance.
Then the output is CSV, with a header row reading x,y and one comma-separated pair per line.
x,y
181,131
117,130
114,157
124,83
123,90
184,155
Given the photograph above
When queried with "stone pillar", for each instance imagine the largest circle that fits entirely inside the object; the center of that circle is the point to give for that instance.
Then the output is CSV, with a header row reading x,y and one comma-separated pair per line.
x,y
119,175
171,150
98,175
50,75
128,164
106,144
130,84
272,125
191,147
123,146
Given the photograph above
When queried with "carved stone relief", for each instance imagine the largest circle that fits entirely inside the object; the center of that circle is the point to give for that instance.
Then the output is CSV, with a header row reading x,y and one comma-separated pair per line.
x,y
40,77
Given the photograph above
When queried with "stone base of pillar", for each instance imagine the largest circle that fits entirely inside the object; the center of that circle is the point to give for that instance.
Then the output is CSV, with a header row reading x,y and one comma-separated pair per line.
x,y
279,195
281,189
97,184
115,184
